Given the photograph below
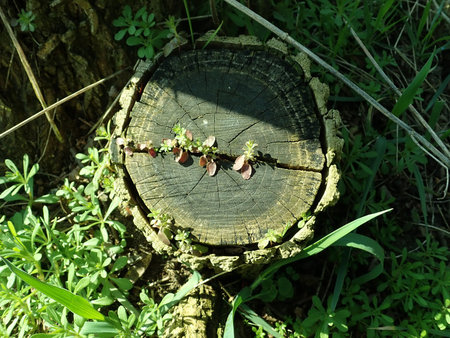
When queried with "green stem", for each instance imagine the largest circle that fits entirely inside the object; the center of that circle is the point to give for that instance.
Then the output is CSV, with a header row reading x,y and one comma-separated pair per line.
x,y
189,21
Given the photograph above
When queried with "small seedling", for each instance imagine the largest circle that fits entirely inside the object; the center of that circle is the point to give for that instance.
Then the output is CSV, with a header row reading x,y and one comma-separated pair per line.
x,y
164,224
183,146
272,236
209,155
177,39
25,21
242,162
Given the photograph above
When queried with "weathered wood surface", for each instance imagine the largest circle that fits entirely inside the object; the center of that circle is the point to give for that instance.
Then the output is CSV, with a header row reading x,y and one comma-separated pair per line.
x,y
236,96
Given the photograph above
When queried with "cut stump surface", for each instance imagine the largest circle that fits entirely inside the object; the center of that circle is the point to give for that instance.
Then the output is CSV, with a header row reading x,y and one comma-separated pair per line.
x,y
236,95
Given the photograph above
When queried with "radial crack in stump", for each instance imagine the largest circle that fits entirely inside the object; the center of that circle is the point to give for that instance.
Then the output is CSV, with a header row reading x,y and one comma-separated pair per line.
x,y
235,93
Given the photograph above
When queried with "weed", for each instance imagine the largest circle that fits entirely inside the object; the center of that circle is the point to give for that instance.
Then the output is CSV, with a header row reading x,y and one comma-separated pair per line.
x,y
242,162
183,145
164,224
17,181
142,31
26,21
273,236
322,322
79,260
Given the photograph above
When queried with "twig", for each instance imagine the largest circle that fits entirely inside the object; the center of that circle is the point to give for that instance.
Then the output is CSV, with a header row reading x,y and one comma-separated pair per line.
x,y
30,75
399,93
447,233
56,104
416,137
213,9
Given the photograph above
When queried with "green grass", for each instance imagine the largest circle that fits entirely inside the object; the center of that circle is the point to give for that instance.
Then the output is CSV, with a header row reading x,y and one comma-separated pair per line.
x,y
67,250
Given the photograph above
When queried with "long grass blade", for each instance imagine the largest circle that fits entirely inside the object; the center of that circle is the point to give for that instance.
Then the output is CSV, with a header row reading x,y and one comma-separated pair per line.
x,y
369,245
74,303
316,247
189,21
313,249
410,92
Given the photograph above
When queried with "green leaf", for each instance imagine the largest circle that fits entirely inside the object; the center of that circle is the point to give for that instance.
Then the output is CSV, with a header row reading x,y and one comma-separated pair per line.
x,y
120,34
165,305
149,52
127,13
103,301
119,263
268,291
253,317
134,41
74,303
99,329
132,30
123,283
112,206
285,288
369,245
26,162
409,93
119,22
49,198
33,171
141,12
9,191
11,166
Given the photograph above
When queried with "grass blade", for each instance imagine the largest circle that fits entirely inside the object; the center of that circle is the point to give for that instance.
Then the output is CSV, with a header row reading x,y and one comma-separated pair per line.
x,y
213,35
313,249
380,148
189,21
241,297
421,189
369,245
74,303
439,91
317,247
408,95
181,293
253,317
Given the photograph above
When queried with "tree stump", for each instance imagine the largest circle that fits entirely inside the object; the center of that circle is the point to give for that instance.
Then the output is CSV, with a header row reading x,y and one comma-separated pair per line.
x,y
235,89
